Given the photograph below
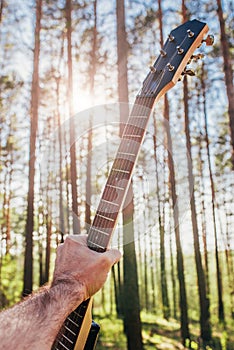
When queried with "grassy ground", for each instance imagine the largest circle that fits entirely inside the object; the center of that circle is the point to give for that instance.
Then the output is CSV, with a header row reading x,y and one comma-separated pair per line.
x,y
159,334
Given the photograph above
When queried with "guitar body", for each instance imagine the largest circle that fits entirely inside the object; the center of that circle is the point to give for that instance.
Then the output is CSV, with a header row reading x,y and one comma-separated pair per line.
x,y
78,331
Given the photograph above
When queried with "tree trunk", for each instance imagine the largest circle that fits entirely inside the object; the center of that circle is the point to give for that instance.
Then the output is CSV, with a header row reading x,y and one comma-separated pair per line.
x,y
163,279
62,228
73,170
205,327
132,322
1,9
204,301
180,261
92,80
213,198
28,261
228,72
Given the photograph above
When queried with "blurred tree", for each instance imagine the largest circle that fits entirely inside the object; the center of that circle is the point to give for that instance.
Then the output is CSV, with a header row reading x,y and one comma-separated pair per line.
x,y
131,303
28,261
205,327
228,72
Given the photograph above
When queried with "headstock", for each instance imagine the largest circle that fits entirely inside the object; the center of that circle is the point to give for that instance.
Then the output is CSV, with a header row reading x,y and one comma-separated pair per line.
x,y
174,56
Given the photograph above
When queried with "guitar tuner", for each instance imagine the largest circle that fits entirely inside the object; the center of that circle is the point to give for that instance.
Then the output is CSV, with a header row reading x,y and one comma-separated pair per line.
x,y
163,53
189,72
209,40
190,33
197,57
170,67
153,69
171,37
179,50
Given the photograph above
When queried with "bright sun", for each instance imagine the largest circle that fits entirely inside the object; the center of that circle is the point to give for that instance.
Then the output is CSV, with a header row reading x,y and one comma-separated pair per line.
x,y
84,100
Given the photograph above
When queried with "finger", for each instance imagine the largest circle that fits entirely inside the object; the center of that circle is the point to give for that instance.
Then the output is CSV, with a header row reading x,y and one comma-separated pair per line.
x,y
82,239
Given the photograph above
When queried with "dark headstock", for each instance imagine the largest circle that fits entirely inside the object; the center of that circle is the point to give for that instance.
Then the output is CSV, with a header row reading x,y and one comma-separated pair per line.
x,y
174,56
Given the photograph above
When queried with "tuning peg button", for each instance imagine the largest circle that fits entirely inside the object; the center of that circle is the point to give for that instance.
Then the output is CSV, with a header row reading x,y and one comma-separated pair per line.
x,y
209,40
163,53
190,33
171,37
179,50
189,72
197,57
170,67
153,69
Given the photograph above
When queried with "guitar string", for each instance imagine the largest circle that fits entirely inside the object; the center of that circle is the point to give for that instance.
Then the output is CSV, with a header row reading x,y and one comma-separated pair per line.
x,y
124,162
112,192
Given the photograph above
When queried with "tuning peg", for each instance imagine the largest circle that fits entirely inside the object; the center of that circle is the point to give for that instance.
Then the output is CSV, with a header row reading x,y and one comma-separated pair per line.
x,y
197,57
179,50
190,33
189,72
163,53
152,69
209,40
170,67
171,37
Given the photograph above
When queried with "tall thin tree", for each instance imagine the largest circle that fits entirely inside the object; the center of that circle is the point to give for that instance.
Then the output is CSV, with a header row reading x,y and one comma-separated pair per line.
x,y
205,327
180,260
28,261
228,72
73,169
213,199
132,320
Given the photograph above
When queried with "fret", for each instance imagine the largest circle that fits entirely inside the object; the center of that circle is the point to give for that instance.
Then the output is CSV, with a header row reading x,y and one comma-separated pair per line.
x,y
123,163
116,187
134,138
138,122
131,135
127,154
121,171
105,217
97,245
63,345
77,314
73,321
70,330
100,231
132,129
108,202
138,117
64,336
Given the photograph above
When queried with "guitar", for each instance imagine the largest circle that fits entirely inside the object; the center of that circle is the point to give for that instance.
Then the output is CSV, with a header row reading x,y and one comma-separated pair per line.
x,y
78,331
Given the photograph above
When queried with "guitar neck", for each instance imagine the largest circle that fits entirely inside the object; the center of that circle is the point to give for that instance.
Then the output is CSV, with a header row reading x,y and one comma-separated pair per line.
x,y
118,181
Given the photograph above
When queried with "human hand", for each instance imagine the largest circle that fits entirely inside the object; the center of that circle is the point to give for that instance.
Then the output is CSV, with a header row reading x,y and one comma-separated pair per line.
x,y
84,270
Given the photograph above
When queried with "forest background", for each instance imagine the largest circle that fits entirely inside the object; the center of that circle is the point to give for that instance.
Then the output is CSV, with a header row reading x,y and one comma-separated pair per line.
x,y
174,287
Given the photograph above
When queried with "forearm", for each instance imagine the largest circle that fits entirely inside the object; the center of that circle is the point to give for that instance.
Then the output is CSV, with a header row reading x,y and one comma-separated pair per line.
x,y
35,322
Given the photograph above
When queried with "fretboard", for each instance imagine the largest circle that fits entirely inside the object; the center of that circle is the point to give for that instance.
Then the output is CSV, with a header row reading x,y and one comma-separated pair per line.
x,y
118,181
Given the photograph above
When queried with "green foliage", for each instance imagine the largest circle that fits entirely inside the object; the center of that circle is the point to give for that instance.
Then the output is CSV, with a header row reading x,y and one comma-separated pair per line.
x,y
159,334
11,279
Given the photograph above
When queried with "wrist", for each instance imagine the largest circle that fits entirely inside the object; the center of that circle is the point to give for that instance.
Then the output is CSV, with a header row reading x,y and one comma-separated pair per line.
x,y
68,293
